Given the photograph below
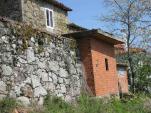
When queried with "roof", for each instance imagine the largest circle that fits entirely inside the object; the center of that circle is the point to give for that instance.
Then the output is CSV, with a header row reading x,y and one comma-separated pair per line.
x,y
95,33
59,4
137,50
122,64
73,25
131,50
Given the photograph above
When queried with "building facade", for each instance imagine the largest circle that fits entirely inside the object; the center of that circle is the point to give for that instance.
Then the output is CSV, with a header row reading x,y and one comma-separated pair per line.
x,y
96,48
97,54
43,14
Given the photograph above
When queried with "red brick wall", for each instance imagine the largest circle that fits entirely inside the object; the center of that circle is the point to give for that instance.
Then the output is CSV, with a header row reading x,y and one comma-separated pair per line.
x,y
86,57
106,82
123,81
93,53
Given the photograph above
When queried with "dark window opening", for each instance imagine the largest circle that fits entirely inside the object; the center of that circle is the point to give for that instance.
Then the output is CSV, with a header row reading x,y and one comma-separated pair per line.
x,y
106,64
49,16
47,13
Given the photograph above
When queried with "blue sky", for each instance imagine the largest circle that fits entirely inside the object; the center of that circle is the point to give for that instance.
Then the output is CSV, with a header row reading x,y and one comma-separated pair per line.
x,y
86,13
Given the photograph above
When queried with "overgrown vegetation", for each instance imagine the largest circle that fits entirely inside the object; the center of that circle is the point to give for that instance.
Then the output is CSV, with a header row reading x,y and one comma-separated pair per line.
x,y
7,105
86,104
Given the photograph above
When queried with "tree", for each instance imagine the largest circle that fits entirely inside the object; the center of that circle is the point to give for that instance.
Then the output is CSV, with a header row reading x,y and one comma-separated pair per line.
x,y
143,72
131,20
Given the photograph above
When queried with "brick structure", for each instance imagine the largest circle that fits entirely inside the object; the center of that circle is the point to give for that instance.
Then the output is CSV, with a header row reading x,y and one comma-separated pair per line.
x,y
122,78
98,57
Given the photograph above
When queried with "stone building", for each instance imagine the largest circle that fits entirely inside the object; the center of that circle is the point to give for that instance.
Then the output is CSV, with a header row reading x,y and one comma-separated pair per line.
x,y
43,14
58,68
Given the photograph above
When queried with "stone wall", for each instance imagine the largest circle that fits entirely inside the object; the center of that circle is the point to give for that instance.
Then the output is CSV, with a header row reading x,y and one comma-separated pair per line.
x,y
34,63
34,13
11,9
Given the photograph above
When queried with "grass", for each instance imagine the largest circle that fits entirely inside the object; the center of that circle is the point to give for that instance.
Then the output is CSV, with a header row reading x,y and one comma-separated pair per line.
x,y
7,105
84,104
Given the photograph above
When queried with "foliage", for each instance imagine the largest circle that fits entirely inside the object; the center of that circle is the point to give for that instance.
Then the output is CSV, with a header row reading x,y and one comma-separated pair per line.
x,y
142,68
143,81
57,105
86,104
89,105
7,105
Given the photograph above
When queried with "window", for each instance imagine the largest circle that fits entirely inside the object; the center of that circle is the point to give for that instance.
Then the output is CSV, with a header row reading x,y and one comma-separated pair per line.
x,y
49,18
106,64
121,71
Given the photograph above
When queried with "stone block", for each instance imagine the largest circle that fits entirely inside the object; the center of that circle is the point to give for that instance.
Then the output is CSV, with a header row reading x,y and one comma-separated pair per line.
x,y
40,91
53,66
63,73
6,70
3,89
24,101
35,81
30,55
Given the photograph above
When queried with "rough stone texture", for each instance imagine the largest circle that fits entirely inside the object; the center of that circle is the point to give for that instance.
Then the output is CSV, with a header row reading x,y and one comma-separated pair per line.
x,y
34,13
11,9
2,87
6,70
39,69
24,100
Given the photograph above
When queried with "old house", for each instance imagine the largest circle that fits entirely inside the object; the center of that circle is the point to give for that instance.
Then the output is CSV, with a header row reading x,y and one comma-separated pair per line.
x,y
43,14
96,48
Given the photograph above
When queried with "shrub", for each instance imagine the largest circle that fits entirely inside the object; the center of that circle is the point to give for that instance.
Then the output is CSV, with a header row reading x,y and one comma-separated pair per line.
x,y
88,104
84,104
7,105
57,105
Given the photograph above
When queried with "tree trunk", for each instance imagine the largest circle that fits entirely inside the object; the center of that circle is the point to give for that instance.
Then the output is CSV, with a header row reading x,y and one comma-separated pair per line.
x,y
129,55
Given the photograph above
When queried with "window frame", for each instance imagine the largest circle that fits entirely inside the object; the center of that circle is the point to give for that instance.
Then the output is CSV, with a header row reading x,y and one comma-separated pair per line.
x,y
50,10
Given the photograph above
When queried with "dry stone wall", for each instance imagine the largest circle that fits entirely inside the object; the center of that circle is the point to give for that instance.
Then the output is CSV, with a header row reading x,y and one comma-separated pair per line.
x,y
34,64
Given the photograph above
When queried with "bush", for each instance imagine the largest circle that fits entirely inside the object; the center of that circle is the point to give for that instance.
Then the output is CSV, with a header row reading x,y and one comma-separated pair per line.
x,y
7,105
84,104
87,104
57,105
132,106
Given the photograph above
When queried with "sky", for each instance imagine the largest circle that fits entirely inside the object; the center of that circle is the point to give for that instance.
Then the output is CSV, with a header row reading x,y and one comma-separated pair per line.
x,y
86,13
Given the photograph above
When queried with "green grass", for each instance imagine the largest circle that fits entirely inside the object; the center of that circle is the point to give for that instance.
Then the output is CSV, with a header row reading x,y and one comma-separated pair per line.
x,y
57,105
7,105
84,104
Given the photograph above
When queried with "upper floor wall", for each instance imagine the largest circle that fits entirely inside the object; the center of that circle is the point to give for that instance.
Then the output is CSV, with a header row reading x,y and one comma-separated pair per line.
x,y
34,12
39,13
11,9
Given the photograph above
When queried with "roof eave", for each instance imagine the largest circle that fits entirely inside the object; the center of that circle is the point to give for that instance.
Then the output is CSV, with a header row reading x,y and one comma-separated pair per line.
x,y
58,4
77,26
95,34
122,64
